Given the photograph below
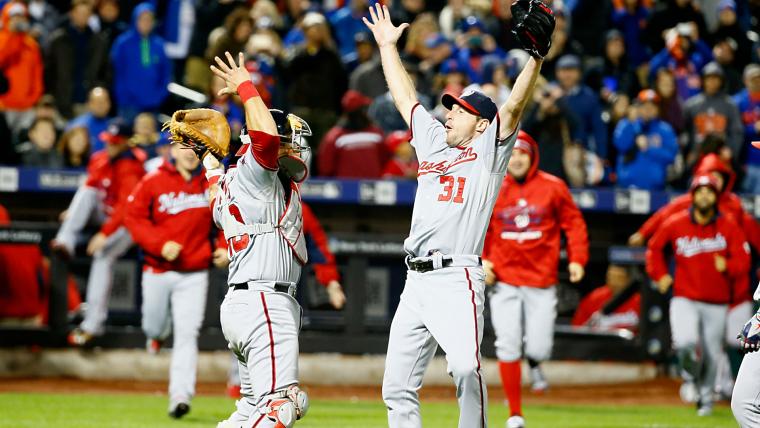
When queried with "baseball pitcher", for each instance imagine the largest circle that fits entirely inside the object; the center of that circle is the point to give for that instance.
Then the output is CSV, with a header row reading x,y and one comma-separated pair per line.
x,y
257,205
521,258
462,164
112,173
710,253
167,215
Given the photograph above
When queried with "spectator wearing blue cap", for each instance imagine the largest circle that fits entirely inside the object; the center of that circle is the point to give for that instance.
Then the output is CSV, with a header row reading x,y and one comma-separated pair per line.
x,y
585,103
451,17
630,18
141,69
475,46
645,144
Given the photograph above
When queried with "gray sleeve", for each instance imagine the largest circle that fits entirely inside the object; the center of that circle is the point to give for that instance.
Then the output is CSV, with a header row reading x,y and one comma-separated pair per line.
x,y
428,134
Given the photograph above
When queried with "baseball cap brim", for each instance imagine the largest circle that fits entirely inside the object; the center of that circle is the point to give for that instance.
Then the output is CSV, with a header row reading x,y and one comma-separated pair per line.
x,y
756,144
449,100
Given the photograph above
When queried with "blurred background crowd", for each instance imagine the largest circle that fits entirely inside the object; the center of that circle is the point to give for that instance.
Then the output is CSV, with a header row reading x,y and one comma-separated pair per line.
x,y
634,92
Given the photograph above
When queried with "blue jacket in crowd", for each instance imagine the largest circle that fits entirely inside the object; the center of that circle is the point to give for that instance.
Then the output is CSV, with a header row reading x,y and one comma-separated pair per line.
x,y
142,70
644,169
94,126
592,130
750,112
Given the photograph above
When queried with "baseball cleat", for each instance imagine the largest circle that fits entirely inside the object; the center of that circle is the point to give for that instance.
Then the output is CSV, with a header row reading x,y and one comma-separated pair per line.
x,y
153,346
79,337
516,421
688,392
282,412
705,409
538,381
179,410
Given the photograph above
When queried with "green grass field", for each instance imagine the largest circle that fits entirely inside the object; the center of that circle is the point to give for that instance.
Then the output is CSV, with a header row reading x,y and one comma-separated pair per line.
x,y
149,411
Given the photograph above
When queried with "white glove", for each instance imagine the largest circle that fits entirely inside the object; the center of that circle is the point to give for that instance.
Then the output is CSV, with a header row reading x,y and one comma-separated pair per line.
x,y
749,337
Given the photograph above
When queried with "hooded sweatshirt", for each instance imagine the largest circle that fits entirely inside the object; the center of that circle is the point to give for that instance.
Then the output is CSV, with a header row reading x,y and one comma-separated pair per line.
x,y
523,238
142,70
20,63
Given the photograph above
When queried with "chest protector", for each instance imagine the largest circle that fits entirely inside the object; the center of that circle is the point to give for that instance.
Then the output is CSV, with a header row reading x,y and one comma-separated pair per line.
x,y
289,226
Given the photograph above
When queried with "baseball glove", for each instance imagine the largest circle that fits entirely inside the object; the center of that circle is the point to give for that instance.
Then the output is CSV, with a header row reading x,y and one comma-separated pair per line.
x,y
202,130
533,24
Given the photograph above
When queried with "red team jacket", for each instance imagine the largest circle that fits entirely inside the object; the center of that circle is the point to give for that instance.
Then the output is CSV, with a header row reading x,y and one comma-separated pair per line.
x,y
164,207
624,316
694,248
116,178
523,239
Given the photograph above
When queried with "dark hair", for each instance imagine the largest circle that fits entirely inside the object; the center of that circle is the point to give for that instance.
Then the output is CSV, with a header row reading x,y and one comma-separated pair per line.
x,y
356,120
235,18
63,145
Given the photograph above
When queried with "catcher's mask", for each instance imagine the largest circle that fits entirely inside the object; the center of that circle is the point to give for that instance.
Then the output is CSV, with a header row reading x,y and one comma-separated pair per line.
x,y
291,130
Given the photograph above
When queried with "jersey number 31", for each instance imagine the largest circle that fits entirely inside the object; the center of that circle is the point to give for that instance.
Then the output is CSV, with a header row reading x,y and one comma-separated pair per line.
x,y
448,189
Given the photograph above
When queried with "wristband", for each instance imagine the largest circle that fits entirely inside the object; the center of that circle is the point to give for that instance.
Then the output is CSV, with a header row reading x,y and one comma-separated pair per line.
x,y
247,90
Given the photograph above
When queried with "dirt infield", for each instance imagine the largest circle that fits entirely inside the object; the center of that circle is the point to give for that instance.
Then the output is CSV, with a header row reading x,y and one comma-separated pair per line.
x,y
656,392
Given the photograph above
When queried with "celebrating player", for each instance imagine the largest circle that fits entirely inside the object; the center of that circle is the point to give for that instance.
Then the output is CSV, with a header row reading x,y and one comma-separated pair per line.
x,y
462,165
168,217
112,173
257,205
710,254
520,260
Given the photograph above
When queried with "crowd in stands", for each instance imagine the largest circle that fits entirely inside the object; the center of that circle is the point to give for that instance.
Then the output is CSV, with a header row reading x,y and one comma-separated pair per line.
x,y
634,92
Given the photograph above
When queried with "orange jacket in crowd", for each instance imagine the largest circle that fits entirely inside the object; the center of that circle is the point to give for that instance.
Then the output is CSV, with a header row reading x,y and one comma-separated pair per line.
x,y
21,63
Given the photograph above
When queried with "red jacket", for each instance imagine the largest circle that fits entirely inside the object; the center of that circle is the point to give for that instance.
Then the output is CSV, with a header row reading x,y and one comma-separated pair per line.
x,y
624,316
352,154
164,207
523,238
116,178
21,62
320,257
729,204
694,248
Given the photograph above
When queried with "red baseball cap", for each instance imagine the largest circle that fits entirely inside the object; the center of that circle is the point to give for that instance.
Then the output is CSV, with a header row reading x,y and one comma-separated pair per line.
x,y
354,100
704,180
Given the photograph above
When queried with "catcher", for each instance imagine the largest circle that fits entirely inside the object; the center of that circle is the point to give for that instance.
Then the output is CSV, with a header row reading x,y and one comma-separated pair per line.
x,y
257,205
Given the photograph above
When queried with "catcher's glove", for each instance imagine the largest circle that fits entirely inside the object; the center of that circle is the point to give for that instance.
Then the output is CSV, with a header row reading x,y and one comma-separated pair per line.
x,y
202,130
749,337
533,24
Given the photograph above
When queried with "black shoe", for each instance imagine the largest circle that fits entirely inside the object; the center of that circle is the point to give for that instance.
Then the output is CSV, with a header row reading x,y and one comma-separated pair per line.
x,y
179,410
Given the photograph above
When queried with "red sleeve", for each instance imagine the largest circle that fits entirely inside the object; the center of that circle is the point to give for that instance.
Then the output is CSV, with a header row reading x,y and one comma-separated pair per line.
x,y
328,154
655,258
653,224
751,230
130,176
265,149
137,219
738,252
586,308
572,223
328,271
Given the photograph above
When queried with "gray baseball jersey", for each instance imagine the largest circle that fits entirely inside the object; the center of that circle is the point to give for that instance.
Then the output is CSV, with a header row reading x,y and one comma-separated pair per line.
x,y
254,194
456,187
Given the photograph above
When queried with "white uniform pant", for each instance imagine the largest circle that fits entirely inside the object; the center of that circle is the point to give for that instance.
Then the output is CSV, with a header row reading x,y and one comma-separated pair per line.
x,y
87,206
176,299
442,307
697,330
745,401
523,320
262,327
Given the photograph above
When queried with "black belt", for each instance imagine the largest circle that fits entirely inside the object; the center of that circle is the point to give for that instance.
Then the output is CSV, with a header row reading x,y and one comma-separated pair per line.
x,y
278,287
423,266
